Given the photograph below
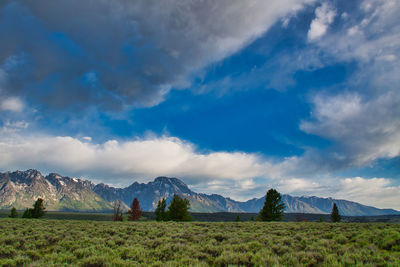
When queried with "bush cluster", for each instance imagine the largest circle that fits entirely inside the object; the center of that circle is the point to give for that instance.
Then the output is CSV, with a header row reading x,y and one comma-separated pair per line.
x,y
90,243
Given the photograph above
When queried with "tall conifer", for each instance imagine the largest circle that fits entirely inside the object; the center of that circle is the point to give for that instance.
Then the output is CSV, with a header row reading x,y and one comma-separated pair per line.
x,y
134,212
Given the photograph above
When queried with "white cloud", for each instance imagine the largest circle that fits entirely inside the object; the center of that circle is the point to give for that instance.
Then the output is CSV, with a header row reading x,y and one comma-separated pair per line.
x,y
298,186
363,120
337,108
10,127
13,104
375,34
232,174
324,16
363,130
125,161
376,192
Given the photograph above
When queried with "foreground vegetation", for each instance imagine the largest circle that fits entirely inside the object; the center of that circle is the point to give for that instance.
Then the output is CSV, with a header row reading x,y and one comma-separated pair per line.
x,y
90,243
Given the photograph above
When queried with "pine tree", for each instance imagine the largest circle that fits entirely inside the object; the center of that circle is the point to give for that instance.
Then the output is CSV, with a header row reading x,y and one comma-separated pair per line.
x,y
38,210
160,210
14,213
335,216
178,209
27,214
273,207
238,218
135,212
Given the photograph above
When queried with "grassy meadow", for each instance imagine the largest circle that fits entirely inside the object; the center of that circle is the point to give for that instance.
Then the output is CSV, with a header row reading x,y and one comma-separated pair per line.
x,y
30,242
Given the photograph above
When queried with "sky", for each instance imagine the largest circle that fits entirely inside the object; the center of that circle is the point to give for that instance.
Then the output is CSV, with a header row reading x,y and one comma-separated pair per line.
x,y
233,97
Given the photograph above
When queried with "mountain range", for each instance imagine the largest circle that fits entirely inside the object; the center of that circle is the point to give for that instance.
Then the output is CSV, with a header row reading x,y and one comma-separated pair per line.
x,y
21,188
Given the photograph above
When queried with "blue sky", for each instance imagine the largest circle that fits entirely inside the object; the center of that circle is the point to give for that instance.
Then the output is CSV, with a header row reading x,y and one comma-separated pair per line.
x,y
233,97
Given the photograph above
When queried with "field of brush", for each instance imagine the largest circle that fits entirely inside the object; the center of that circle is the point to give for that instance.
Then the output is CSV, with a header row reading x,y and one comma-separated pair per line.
x,y
95,243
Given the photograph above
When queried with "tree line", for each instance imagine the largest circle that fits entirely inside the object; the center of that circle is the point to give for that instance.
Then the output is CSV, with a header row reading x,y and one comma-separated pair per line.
x,y
178,209
38,210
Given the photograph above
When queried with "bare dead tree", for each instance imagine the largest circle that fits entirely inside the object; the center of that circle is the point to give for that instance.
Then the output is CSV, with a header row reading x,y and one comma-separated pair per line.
x,y
117,210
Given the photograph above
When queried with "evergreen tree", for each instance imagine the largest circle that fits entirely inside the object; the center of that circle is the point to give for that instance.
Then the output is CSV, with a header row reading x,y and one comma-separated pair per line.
x,y
135,212
27,214
14,213
238,218
273,207
178,209
335,216
160,210
252,218
38,210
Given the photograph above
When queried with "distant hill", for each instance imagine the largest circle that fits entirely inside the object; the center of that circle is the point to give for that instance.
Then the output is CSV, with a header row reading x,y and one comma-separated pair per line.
x,y
22,188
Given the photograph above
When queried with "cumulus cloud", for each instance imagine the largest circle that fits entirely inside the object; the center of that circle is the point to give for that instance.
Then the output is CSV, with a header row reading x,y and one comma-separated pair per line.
x,y
377,192
120,163
118,53
363,131
363,119
324,16
371,36
117,161
235,174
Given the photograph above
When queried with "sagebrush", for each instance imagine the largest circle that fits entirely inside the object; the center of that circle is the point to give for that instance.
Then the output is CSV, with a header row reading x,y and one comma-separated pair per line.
x,y
90,243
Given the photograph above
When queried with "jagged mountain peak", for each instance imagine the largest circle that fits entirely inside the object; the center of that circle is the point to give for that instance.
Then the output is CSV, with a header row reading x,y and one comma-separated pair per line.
x,y
168,180
103,185
55,175
27,177
22,188
31,173
163,179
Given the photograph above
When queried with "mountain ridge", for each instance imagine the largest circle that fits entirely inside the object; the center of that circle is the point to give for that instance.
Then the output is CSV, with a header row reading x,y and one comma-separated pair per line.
x,y
20,188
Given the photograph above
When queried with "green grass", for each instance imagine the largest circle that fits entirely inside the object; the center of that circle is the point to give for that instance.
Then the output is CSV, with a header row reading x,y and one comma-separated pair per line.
x,y
30,242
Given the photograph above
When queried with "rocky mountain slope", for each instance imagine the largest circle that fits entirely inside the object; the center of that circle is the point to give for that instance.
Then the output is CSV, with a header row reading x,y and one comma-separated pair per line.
x,y
22,188
319,205
148,195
